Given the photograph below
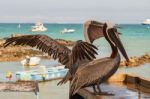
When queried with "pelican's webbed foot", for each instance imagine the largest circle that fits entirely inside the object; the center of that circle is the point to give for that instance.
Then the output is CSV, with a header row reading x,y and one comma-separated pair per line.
x,y
104,93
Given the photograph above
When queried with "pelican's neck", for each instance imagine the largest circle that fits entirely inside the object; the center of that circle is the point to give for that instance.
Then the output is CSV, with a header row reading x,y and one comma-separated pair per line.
x,y
114,50
113,47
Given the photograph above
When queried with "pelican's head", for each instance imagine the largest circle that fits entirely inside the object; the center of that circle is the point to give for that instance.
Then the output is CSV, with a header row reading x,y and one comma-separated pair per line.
x,y
94,30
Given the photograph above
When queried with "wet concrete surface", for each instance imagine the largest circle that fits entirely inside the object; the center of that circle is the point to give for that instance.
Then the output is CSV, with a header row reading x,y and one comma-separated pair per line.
x,y
48,90
119,91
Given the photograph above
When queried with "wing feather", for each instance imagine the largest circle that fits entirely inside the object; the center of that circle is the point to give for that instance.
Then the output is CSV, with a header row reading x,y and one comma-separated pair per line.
x,y
88,51
83,50
43,43
89,48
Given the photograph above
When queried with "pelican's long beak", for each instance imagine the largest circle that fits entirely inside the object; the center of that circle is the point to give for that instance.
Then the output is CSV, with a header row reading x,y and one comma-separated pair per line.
x,y
115,38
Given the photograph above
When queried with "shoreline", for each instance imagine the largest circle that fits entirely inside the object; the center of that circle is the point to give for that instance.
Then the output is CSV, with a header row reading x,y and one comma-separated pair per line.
x,y
136,61
17,53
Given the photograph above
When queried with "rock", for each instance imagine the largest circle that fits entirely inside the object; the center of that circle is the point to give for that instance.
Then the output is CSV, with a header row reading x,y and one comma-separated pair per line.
x,y
136,61
65,42
132,60
0,53
2,41
16,35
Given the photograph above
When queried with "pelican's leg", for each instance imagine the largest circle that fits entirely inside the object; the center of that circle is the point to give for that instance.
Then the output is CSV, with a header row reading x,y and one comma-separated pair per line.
x,y
98,87
94,89
100,92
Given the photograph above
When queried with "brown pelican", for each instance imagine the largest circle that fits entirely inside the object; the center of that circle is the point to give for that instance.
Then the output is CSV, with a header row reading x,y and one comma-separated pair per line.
x,y
98,71
92,31
81,50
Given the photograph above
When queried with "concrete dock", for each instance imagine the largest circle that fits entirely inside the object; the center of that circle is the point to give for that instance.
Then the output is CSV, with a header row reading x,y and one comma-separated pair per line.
x,y
122,86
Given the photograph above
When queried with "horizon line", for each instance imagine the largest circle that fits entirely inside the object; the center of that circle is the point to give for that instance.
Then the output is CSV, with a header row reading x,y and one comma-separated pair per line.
x,y
54,23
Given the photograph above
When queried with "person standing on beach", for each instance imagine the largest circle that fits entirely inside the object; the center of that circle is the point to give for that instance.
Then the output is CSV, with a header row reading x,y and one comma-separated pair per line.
x,y
27,60
9,75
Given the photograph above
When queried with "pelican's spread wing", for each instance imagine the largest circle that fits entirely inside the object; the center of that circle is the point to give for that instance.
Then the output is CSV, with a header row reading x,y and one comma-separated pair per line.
x,y
81,50
93,30
43,43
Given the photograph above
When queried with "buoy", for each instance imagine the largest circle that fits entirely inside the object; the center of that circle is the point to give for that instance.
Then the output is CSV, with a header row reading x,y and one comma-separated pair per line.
x,y
9,75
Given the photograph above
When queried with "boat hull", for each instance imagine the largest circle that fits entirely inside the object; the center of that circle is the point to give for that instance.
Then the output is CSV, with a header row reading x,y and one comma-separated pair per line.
x,y
39,27
145,23
34,75
43,30
67,31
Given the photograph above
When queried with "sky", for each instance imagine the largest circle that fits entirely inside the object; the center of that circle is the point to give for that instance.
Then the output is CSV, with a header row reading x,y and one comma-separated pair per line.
x,y
74,11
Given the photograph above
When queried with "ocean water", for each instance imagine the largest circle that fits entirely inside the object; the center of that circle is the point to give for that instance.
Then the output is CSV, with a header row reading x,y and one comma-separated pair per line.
x,y
53,30
135,37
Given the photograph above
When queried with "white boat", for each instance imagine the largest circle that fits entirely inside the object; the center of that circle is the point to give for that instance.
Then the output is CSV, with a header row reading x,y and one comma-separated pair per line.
x,y
19,26
42,74
146,22
30,61
39,27
65,30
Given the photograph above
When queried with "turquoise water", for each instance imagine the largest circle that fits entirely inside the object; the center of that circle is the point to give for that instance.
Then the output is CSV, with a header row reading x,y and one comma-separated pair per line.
x,y
16,66
141,71
135,37
53,30
136,40
129,31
